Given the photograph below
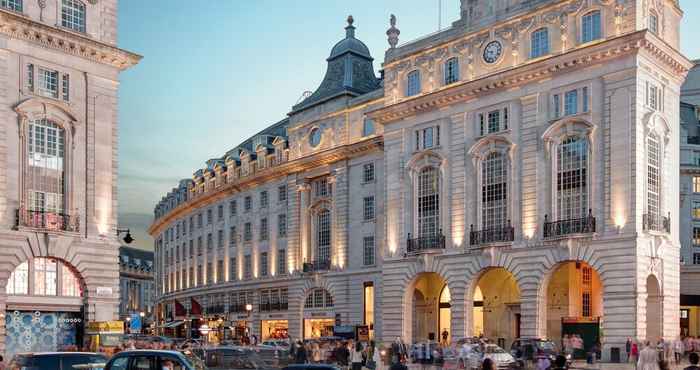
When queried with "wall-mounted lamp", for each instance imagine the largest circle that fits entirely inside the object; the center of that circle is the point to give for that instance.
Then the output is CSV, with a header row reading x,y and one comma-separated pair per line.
x,y
127,238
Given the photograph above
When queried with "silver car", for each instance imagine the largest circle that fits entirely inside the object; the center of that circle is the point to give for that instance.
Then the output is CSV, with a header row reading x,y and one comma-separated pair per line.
x,y
473,356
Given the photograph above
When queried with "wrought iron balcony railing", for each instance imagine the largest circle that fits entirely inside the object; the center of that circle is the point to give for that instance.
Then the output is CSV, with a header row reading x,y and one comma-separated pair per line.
x,y
656,223
50,221
318,265
425,243
583,225
498,234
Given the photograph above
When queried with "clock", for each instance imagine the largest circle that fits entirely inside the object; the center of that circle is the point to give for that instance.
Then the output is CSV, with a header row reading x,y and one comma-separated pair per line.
x,y
492,52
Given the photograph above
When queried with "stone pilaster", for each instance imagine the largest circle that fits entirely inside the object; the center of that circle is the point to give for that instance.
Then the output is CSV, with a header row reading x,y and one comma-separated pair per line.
x,y
340,212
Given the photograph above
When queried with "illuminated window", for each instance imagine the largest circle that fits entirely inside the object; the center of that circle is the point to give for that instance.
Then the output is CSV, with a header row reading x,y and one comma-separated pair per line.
x,y
18,283
696,236
494,198
44,276
428,202
696,258
696,184
73,15
572,178
45,181
368,317
539,43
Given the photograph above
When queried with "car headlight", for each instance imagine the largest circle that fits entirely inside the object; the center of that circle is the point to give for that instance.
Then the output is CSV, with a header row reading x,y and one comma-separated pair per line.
x,y
568,356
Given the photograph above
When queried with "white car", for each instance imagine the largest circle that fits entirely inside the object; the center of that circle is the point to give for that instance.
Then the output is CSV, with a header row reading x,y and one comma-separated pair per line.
x,y
473,356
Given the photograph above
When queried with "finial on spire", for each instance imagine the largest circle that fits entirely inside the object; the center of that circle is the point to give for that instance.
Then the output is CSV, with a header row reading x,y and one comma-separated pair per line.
x,y
393,32
350,29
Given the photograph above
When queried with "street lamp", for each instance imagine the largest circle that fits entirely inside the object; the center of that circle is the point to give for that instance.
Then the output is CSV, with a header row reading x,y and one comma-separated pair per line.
x,y
248,310
142,315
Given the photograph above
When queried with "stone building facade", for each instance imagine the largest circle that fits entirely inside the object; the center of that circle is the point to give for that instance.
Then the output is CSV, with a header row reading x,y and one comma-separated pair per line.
x,y
59,75
136,285
525,163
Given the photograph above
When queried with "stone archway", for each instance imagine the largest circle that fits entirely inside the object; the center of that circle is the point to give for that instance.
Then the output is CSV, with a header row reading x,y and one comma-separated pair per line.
x,y
654,309
496,306
430,310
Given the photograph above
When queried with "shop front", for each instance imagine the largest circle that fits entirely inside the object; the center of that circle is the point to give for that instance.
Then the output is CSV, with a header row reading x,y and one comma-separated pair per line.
x,y
274,327
37,331
318,325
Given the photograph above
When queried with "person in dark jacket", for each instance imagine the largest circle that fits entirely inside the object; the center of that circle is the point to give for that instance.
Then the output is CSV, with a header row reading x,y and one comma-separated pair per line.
x,y
301,357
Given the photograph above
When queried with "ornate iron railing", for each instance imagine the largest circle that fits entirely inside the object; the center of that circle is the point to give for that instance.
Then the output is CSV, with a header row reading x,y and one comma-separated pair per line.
x,y
583,225
656,223
425,243
318,265
503,233
50,221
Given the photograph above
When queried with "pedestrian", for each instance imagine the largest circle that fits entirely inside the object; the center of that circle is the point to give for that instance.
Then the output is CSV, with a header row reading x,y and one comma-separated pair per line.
x,y
559,363
678,350
648,358
315,353
487,364
693,358
343,355
357,357
634,353
301,357
445,335
628,348
377,358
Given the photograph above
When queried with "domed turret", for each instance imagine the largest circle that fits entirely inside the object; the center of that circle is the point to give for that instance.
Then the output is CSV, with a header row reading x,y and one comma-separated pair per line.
x,y
350,71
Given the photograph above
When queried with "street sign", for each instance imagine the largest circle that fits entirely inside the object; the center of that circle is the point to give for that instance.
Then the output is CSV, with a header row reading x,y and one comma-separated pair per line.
x,y
135,323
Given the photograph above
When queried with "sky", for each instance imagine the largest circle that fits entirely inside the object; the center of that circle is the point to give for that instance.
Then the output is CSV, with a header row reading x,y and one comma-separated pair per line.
x,y
217,73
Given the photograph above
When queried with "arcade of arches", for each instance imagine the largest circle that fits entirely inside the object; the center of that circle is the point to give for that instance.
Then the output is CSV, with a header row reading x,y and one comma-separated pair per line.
x,y
574,304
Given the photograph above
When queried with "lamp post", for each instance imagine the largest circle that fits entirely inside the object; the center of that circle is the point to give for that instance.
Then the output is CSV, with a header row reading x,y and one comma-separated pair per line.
x,y
142,314
128,325
248,310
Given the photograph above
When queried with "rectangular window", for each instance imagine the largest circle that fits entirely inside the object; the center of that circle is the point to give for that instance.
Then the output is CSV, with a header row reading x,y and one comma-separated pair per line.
x,y
505,118
493,120
696,210
591,27
264,230
199,246
220,239
232,236
368,249
451,71
264,201
413,83
220,271
556,102
14,5
696,184
282,194
220,212
282,225
248,203
199,221
696,236
654,96
247,267
48,83
282,262
696,258
191,248
210,242
73,15
368,172
367,127
65,87
368,303
571,103
200,275
428,138
539,44
232,208
30,77
368,209
482,125
248,232
210,273
210,217
321,188
263,264
232,269
584,93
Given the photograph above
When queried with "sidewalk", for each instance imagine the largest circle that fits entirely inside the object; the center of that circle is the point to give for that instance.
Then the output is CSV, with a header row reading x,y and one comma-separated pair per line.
x,y
577,365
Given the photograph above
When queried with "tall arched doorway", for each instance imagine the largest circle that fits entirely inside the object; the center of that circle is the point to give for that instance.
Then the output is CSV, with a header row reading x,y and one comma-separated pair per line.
x,y
431,308
574,304
654,309
44,307
496,310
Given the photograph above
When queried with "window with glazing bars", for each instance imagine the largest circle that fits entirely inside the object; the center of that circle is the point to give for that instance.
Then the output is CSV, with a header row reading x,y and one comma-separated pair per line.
x,y
48,83
653,177
587,290
323,235
451,71
368,209
45,182
368,249
591,27
14,5
494,121
571,102
264,230
247,267
220,239
539,43
210,242
321,187
199,246
264,201
428,202
282,262
572,178
73,15
494,194
263,264
653,23
696,258
282,193
368,172
232,236
220,271
247,231
413,83
232,269
210,273
232,208
210,217
248,203
282,225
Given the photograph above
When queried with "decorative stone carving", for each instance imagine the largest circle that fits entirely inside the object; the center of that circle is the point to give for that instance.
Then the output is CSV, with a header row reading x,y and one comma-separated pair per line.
x,y
393,33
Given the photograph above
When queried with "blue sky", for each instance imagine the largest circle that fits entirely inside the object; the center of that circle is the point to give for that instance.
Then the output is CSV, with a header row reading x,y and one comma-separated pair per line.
x,y
217,73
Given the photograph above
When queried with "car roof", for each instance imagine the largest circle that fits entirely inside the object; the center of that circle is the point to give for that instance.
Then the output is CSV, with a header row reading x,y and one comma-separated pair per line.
x,y
310,366
57,353
148,351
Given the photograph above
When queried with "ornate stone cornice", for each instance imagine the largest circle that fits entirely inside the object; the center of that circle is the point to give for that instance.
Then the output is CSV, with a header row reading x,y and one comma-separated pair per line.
x,y
20,27
299,165
564,63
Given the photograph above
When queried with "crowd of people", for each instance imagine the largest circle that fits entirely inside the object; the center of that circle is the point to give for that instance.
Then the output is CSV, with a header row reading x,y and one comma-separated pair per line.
x,y
659,356
347,354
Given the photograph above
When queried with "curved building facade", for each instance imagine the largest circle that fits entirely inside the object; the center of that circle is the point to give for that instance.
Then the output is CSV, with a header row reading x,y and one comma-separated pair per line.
x,y
513,175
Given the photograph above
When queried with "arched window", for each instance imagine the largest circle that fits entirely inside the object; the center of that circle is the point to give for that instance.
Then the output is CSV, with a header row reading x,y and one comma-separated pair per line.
x,y
15,5
539,43
318,298
653,178
413,83
591,26
428,202
45,181
653,23
451,71
572,178
73,15
494,193
323,236
45,277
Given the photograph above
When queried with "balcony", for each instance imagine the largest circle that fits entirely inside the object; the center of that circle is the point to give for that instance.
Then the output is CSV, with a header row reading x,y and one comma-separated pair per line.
x,y
584,225
316,266
425,243
656,223
499,234
49,221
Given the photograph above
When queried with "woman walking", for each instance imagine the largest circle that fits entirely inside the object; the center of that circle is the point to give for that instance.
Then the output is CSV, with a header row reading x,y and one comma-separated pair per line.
x,y
356,357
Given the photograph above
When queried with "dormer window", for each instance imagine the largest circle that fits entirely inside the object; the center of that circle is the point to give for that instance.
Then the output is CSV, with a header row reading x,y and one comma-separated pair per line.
x,y
14,5
591,27
73,15
653,23
413,83
451,71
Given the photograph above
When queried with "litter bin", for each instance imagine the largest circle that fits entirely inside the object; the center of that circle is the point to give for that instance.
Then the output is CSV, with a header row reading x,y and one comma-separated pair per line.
x,y
615,355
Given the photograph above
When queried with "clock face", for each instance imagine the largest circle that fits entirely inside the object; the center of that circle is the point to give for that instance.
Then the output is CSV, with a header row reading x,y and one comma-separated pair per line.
x,y
492,52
